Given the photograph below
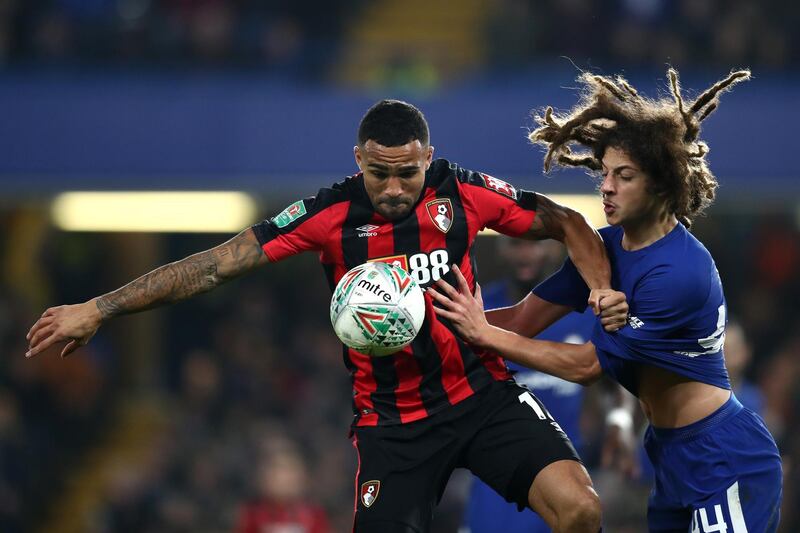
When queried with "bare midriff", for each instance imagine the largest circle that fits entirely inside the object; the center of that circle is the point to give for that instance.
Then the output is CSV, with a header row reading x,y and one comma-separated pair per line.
x,y
672,401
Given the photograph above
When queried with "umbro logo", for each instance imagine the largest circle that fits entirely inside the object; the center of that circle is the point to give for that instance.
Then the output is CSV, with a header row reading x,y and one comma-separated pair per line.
x,y
634,322
367,230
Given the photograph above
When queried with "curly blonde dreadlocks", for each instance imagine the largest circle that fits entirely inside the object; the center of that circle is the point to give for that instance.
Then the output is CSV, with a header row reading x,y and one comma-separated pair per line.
x,y
660,135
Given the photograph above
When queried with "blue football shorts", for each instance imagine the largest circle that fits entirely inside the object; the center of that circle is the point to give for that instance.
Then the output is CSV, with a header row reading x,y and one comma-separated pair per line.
x,y
720,474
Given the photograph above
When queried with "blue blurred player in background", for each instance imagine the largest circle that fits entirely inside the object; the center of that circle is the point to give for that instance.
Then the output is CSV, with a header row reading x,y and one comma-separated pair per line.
x,y
530,262
717,468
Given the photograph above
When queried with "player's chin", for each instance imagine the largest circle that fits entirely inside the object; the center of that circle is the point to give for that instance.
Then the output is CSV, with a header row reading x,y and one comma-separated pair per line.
x,y
613,218
394,212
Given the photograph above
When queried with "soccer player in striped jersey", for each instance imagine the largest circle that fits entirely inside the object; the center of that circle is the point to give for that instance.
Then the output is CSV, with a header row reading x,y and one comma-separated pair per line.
x,y
717,468
437,404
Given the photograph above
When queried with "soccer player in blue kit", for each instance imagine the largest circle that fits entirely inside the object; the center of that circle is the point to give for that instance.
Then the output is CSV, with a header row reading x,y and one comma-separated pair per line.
x,y
530,263
717,468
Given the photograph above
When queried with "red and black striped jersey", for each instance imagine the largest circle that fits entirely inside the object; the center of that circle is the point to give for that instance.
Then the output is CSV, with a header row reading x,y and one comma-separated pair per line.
x,y
437,369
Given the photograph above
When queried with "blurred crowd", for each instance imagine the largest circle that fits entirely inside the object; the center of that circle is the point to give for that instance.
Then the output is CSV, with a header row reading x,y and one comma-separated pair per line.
x,y
255,401
257,410
631,33
303,38
293,38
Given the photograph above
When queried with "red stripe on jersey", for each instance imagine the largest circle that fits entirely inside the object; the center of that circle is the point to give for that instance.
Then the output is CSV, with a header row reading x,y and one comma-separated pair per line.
x,y
358,473
407,396
382,243
363,385
454,378
494,364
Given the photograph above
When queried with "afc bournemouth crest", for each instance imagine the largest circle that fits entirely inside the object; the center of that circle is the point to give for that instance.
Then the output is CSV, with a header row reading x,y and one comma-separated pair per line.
x,y
441,212
369,492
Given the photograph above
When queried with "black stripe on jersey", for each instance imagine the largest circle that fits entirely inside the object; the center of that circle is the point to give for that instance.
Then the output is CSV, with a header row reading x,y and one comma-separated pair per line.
x,y
527,199
330,275
429,360
457,238
355,251
407,241
458,244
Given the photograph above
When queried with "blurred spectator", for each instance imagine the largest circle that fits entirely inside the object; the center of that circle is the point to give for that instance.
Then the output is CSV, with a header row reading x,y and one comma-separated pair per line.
x,y
738,355
282,503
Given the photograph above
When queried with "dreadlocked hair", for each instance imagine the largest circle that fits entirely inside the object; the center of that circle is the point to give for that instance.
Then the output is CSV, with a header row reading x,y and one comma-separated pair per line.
x,y
660,135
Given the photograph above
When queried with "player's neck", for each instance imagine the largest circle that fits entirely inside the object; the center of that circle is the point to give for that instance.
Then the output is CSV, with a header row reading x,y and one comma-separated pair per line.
x,y
640,234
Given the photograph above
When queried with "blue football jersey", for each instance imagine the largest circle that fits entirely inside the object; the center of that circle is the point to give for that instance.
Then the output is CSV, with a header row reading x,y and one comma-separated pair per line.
x,y
677,308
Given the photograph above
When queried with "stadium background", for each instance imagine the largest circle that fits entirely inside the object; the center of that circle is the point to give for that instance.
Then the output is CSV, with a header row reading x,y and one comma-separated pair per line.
x,y
168,420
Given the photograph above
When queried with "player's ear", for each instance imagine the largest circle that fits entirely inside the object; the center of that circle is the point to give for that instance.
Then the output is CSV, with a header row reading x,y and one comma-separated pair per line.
x,y
429,158
357,154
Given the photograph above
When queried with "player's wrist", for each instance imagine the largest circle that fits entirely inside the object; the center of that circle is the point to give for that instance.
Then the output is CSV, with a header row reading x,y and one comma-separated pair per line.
x,y
98,310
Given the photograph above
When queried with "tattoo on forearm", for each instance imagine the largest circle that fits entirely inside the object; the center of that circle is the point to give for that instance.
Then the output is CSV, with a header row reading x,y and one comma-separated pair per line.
x,y
177,281
548,223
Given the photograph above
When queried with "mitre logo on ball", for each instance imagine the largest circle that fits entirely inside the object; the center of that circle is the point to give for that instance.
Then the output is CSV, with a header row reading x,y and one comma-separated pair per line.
x,y
377,308
441,212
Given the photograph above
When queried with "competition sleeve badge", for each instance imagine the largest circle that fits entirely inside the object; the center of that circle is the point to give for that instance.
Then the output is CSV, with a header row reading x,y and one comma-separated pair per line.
x,y
441,213
369,492
290,214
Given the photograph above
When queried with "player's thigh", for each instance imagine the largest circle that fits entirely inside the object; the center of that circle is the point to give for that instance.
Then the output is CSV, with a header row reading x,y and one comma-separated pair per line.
x,y
561,488
399,480
517,442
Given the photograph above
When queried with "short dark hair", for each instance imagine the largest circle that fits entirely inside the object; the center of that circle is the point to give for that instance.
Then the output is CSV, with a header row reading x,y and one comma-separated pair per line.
x,y
393,123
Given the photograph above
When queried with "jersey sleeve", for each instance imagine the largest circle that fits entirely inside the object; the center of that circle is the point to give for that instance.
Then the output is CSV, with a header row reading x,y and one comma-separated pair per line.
x,y
304,225
498,204
565,287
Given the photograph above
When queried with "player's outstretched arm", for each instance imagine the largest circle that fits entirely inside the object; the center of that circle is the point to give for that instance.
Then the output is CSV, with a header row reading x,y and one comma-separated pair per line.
x,y
532,315
584,244
170,283
528,317
573,362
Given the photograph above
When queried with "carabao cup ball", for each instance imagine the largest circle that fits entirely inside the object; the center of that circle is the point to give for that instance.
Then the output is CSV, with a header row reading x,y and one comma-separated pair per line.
x,y
377,309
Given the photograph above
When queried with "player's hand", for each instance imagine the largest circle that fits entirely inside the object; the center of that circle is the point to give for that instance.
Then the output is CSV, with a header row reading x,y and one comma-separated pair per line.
x,y
460,307
611,306
75,324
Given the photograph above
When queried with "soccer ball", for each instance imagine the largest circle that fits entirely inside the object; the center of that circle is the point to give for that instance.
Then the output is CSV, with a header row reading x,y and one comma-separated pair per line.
x,y
377,309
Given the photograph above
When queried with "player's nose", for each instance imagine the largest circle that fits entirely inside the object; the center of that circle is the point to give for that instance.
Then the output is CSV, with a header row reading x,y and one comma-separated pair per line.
x,y
394,187
607,185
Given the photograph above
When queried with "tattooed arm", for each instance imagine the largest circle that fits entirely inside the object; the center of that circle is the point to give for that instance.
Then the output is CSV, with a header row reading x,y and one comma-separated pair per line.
x,y
170,283
584,244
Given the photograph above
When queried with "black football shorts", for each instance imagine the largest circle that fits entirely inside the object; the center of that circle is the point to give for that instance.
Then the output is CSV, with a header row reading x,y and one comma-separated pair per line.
x,y
503,434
